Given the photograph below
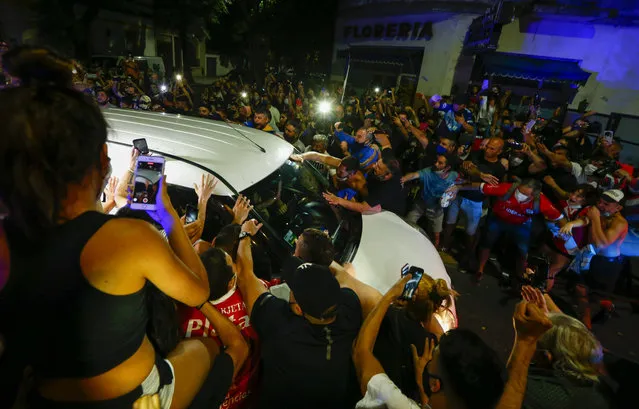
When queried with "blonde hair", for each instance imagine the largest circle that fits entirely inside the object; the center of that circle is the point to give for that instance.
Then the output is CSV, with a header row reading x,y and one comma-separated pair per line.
x,y
430,297
575,351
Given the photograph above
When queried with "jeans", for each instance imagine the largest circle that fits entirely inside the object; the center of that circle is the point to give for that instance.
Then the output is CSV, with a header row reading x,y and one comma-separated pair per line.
x,y
519,233
471,209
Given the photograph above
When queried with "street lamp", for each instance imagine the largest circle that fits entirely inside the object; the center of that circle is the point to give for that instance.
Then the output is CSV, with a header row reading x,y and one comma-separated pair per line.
x,y
244,94
377,90
178,77
163,88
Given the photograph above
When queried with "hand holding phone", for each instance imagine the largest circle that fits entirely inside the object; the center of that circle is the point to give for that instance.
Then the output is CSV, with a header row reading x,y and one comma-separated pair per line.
x,y
146,182
608,137
411,286
141,146
191,214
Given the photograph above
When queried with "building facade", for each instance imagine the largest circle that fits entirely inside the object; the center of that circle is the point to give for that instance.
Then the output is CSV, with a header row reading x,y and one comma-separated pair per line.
x,y
575,50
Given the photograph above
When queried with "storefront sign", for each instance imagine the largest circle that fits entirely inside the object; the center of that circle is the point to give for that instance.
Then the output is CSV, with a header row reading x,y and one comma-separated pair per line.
x,y
405,31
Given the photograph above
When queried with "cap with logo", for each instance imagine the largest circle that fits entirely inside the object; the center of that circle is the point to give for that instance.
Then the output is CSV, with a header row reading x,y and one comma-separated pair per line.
x,y
315,288
612,195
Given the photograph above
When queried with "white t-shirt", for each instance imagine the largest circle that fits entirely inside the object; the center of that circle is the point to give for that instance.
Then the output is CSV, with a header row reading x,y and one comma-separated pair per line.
x,y
382,393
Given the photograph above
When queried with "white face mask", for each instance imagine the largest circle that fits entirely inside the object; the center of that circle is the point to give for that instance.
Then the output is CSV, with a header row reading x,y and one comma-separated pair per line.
x,y
520,196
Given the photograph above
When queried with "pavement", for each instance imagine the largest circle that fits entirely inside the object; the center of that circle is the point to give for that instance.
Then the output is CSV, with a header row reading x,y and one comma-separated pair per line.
x,y
486,308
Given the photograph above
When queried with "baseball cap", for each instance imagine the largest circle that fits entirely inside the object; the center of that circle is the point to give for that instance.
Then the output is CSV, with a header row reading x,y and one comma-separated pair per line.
x,y
435,98
612,195
313,285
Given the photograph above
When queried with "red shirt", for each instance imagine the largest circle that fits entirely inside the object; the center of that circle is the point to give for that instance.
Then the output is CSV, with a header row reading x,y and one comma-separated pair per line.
x,y
513,212
194,324
578,233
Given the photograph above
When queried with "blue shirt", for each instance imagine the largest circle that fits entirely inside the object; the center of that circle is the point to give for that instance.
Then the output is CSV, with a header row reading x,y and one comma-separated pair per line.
x,y
433,186
365,154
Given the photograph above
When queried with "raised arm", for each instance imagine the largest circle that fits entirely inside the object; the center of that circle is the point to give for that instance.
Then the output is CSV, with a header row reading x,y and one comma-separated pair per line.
x,y
317,157
368,296
126,180
366,365
410,176
530,324
604,238
230,335
250,286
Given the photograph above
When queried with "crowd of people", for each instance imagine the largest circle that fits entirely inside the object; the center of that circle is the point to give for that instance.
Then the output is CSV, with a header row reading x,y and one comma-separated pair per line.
x,y
104,306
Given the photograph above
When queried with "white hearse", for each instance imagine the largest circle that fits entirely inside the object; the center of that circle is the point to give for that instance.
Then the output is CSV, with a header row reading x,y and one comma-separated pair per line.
x,y
287,196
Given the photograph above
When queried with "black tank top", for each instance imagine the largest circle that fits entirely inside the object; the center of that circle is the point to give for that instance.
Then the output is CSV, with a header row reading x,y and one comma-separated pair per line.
x,y
65,327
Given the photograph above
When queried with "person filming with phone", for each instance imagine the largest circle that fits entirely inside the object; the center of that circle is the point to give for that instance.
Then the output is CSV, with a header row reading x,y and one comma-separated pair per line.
x,y
81,275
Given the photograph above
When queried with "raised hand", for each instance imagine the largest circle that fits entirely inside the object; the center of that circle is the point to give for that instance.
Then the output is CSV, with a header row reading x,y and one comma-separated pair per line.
x,y
530,322
251,227
420,362
331,199
535,296
110,189
488,178
205,189
241,209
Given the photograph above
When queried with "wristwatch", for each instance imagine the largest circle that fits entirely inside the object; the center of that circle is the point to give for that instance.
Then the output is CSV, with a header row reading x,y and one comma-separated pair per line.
x,y
244,235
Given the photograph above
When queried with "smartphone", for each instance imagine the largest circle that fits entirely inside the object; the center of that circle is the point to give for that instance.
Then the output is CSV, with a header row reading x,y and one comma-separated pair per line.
x,y
530,125
608,136
148,172
290,238
411,285
141,146
191,213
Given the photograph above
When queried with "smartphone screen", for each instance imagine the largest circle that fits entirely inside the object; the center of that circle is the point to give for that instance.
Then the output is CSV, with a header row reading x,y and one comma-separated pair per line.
x,y
608,136
191,213
148,173
411,285
290,238
141,146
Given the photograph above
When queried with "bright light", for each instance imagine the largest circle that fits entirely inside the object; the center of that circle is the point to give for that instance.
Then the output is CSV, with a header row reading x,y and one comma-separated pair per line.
x,y
244,94
163,88
74,71
377,90
178,77
324,107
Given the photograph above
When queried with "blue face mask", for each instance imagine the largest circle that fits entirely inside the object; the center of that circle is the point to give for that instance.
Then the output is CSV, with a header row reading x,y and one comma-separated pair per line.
x,y
441,150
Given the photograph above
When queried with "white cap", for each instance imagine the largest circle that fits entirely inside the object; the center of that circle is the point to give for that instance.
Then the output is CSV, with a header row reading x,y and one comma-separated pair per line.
x,y
614,195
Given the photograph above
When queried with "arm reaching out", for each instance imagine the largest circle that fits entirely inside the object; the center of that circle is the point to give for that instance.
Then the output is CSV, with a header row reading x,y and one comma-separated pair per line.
x,y
250,286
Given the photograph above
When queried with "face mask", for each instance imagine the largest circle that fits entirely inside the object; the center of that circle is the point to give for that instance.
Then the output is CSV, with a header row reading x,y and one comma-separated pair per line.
x,y
441,150
520,196
516,161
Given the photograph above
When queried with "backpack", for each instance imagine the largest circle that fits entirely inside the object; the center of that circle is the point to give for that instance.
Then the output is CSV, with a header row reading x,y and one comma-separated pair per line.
x,y
536,200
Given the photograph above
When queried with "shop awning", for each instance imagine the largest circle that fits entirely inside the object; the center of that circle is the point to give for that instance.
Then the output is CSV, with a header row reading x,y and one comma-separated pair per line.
x,y
409,58
528,67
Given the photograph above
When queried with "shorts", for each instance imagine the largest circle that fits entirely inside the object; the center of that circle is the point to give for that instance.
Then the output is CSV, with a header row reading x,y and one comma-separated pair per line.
x,y
519,233
161,380
434,215
604,273
473,211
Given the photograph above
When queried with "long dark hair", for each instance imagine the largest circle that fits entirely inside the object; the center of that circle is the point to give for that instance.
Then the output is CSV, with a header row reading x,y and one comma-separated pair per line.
x,y
52,138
